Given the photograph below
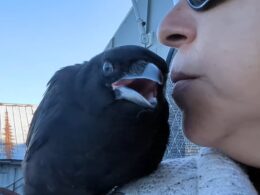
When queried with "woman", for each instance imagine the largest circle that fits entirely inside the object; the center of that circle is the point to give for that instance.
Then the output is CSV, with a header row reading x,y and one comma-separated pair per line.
x,y
216,72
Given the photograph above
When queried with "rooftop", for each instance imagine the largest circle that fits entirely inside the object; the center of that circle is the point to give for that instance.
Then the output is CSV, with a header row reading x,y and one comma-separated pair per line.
x,y
15,120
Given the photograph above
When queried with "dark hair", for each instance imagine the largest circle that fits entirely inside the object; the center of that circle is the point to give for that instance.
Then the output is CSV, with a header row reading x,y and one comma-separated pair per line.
x,y
254,175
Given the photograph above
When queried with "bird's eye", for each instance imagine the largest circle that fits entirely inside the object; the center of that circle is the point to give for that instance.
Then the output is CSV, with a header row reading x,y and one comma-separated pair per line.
x,y
108,68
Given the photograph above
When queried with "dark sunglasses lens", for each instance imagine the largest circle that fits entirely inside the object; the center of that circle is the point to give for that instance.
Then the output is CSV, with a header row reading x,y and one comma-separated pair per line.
x,y
198,4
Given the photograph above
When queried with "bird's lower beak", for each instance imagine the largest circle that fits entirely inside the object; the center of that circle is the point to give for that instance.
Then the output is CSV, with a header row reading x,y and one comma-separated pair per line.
x,y
140,88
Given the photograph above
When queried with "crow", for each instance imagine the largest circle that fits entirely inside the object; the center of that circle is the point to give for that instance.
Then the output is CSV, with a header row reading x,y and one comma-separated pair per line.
x,y
100,124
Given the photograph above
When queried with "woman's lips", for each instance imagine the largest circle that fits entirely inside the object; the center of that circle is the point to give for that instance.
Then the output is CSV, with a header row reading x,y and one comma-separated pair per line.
x,y
179,76
183,87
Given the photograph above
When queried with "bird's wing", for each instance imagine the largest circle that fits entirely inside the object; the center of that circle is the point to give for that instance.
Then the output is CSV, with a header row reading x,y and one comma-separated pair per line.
x,y
39,131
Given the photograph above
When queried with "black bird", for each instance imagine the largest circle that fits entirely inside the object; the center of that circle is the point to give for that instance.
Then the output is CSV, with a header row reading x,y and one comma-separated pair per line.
x,y
100,124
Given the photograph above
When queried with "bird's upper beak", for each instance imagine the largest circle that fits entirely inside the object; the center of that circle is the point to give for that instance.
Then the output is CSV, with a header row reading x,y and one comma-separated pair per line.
x,y
151,72
140,87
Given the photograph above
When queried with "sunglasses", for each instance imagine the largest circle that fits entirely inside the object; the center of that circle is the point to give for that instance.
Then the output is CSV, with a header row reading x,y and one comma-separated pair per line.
x,y
196,4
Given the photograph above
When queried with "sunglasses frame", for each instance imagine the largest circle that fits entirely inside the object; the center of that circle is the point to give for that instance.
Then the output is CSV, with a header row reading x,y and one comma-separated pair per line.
x,y
199,7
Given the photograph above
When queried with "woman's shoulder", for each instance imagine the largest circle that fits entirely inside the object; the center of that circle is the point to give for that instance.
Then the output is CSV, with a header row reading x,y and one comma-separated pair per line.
x,y
218,173
173,176
208,172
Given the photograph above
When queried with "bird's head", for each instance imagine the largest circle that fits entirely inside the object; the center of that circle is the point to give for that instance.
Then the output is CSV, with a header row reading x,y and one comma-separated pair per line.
x,y
133,73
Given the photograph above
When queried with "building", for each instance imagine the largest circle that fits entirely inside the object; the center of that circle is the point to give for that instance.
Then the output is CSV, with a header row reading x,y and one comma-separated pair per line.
x,y
14,124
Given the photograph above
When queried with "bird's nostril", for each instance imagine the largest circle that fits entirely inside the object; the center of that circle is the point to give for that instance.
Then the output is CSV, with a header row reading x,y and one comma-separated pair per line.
x,y
176,37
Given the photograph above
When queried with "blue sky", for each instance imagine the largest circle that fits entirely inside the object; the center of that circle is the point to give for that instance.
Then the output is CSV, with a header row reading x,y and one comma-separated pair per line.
x,y
39,37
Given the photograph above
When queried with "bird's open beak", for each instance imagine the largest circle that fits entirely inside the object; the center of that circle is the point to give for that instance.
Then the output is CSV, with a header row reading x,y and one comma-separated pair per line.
x,y
140,88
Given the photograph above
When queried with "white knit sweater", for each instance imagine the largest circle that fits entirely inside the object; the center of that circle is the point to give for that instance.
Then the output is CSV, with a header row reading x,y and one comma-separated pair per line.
x,y
208,173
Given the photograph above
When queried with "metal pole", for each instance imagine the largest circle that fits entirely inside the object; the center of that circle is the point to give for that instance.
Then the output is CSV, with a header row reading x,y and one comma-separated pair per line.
x,y
140,21
145,39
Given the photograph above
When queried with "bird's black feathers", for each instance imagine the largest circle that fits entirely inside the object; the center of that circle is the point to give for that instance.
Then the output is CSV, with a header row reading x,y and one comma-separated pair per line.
x,y
83,140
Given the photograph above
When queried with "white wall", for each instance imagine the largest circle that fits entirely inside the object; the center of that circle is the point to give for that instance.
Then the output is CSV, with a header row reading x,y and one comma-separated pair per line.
x,y
152,12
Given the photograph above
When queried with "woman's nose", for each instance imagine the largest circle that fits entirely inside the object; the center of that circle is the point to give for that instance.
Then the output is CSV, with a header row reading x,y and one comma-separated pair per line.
x,y
178,28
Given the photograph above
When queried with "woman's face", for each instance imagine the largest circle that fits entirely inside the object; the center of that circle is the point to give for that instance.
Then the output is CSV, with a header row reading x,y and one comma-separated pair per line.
x,y
216,70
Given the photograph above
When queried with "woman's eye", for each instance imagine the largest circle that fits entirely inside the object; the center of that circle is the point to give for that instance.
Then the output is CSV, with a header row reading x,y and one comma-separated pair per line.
x,y
108,68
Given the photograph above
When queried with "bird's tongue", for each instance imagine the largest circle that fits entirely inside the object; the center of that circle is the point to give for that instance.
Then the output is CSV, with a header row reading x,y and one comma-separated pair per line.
x,y
140,88
145,87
